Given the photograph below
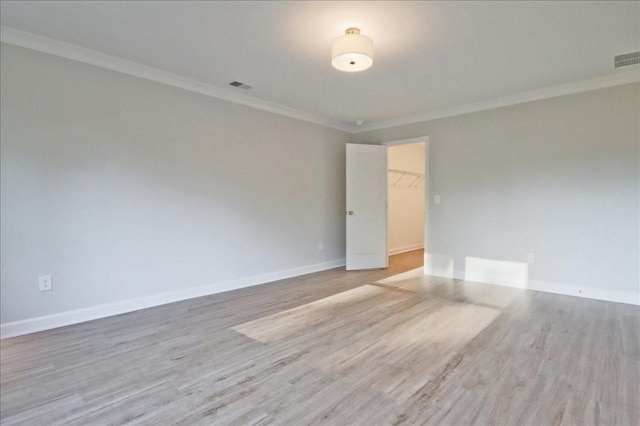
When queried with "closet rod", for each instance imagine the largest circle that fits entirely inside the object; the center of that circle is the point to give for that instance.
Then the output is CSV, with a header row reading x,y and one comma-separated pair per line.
x,y
404,172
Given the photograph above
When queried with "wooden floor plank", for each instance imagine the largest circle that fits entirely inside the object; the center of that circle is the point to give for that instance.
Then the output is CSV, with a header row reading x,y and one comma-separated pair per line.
x,y
342,348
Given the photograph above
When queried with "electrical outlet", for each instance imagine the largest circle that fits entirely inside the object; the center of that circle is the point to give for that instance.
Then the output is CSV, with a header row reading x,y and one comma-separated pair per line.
x,y
320,246
44,282
531,258
436,199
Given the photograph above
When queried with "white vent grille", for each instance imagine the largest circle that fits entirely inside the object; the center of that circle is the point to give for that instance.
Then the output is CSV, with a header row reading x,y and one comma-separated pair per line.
x,y
627,59
240,84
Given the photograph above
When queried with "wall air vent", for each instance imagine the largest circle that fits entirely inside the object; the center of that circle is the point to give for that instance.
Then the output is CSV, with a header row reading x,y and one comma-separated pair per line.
x,y
240,85
627,59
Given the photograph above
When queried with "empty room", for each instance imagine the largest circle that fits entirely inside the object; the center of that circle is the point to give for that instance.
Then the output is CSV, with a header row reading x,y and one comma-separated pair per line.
x,y
320,213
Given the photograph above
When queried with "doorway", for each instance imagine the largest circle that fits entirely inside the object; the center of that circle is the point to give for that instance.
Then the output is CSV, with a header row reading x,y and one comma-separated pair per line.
x,y
373,187
407,196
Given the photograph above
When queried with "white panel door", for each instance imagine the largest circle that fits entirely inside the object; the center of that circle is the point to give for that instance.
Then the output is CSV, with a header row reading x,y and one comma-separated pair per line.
x,y
366,207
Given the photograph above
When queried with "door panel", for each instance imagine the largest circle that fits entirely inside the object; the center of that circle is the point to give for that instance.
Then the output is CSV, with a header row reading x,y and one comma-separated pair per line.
x,y
366,207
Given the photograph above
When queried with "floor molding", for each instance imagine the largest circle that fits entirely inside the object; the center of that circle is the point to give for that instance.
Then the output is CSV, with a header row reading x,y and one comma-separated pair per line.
x,y
606,295
359,347
47,322
629,298
405,249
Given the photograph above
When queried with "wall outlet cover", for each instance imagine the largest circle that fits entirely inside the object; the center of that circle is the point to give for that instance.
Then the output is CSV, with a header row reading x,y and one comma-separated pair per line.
x,y
44,282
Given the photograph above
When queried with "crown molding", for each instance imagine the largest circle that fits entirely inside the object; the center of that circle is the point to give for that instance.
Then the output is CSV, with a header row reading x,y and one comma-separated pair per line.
x,y
51,46
88,56
616,79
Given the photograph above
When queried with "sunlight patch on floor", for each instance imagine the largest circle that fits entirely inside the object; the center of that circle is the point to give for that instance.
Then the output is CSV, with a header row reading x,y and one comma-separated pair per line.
x,y
413,352
292,321
412,275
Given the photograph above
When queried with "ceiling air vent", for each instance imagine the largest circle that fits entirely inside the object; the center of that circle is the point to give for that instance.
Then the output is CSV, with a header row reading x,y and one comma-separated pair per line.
x,y
240,85
627,59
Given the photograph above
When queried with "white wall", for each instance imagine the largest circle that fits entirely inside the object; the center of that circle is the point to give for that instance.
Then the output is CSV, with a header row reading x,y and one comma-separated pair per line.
x,y
406,203
123,188
559,178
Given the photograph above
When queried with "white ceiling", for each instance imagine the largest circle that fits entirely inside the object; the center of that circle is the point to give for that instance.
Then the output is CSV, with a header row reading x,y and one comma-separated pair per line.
x,y
429,56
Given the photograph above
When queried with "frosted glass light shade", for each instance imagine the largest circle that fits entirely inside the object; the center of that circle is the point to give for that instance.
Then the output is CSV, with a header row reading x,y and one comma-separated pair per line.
x,y
352,52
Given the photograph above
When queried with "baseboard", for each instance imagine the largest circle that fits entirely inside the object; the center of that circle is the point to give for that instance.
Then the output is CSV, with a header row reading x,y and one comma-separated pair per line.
x,y
404,249
47,322
629,298
584,292
458,275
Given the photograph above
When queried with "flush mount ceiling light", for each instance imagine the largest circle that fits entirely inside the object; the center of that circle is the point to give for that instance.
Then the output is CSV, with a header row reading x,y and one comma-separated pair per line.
x,y
352,52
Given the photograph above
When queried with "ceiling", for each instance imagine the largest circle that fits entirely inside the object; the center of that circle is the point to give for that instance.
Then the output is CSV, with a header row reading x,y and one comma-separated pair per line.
x,y
429,56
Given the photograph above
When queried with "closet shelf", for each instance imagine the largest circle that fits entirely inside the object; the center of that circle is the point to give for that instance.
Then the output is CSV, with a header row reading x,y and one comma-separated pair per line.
x,y
406,179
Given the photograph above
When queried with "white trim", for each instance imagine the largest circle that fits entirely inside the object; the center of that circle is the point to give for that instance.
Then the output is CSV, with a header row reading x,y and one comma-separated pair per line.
x,y
408,141
404,249
616,79
456,275
515,274
585,292
630,298
47,322
494,271
88,56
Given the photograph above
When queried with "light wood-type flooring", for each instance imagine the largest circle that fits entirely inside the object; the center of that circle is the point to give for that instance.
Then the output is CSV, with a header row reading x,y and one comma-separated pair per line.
x,y
383,347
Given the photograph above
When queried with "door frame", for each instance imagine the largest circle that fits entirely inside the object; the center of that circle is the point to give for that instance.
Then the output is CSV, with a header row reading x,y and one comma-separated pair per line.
x,y
427,180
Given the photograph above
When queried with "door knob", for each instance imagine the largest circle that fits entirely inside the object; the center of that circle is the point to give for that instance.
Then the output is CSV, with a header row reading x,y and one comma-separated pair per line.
x,y
350,212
